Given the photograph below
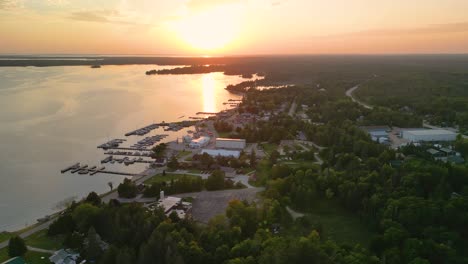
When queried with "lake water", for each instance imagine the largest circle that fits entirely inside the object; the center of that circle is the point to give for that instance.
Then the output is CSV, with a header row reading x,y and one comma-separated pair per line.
x,y
53,117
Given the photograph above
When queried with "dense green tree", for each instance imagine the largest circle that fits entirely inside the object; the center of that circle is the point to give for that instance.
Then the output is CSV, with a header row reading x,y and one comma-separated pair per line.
x,y
127,189
16,247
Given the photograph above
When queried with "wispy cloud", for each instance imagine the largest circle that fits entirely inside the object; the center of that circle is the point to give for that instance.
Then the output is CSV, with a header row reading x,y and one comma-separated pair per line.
x,y
430,29
102,16
10,4
196,5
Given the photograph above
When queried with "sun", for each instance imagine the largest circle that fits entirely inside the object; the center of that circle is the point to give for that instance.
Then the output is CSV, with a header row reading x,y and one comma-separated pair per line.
x,y
209,30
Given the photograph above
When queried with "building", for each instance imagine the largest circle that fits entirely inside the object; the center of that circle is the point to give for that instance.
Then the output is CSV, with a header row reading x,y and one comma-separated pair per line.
x,y
64,256
199,142
378,133
174,204
429,135
221,152
230,143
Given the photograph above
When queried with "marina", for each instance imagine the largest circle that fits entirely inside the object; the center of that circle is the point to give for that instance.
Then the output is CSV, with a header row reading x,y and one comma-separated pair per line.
x,y
142,131
112,143
125,160
128,153
85,169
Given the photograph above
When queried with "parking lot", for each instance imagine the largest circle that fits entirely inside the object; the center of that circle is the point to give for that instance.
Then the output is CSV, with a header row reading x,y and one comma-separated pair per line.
x,y
206,205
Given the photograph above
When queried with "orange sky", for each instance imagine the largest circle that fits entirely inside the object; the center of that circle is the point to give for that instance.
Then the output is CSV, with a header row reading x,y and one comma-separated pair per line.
x,y
233,27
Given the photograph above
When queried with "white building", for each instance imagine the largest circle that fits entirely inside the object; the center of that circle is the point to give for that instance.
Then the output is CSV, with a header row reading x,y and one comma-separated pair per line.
x,y
429,135
199,142
64,256
221,152
230,143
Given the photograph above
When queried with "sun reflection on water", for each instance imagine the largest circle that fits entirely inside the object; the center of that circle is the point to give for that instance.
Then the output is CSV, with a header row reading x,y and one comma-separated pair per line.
x,y
209,95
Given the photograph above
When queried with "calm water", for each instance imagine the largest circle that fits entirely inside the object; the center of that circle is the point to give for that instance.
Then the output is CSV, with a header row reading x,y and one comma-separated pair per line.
x,y
56,116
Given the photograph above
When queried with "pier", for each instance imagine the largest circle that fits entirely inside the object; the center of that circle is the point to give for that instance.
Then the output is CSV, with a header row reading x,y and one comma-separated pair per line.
x,y
126,153
94,170
112,143
125,160
142,131
207,113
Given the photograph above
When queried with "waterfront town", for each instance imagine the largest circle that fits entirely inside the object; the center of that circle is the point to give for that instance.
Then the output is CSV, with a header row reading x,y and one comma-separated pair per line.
x,y
247,153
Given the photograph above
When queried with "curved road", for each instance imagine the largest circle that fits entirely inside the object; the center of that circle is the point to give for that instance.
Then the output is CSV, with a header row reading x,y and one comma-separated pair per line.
x,y
349,93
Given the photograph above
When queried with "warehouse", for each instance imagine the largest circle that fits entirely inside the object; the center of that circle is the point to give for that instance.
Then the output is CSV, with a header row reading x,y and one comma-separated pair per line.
x,y
429,135
199,142
221,152
230,143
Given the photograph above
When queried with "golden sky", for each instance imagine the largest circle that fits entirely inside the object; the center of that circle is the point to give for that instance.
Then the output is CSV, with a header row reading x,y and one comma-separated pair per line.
x,y
233,27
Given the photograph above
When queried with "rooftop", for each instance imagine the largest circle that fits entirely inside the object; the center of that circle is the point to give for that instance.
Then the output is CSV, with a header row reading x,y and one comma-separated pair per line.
x,y
430,132
231,139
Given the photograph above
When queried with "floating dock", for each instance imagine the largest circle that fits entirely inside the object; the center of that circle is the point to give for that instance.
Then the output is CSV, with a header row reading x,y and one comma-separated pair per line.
x,y
207,113
142,131
94,170
72,167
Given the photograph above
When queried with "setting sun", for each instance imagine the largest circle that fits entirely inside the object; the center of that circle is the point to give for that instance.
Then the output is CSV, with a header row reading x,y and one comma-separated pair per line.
x,y
209,30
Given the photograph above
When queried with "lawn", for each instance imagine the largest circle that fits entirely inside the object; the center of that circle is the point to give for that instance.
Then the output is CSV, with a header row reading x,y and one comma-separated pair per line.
x,y
295,164
168,177
224,134
183,153
41,240
339,224
268,147
30,257
4,236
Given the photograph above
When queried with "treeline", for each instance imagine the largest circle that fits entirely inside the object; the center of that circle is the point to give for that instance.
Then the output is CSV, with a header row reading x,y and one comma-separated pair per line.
x,y
249,233
440,96
417,209
195,69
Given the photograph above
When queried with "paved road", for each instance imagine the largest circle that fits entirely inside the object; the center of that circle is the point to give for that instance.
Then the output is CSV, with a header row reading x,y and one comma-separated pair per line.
x,y
41,250
137,179
292,110
349,93
31,231
293,213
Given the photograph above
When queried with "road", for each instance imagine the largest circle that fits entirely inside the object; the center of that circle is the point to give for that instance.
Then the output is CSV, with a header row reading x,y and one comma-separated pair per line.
x,y
292,110
106,198
349,93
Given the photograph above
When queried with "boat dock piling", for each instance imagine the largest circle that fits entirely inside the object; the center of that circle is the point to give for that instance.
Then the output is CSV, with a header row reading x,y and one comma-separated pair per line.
x,y
94,170
142,131
74,166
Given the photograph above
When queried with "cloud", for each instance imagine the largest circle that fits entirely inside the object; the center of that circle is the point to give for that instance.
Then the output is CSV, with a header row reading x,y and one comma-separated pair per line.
x,y
196,5
102,16
430,29
10,4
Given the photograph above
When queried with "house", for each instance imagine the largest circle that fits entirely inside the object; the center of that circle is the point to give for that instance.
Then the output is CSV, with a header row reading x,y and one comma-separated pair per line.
x,y
64,256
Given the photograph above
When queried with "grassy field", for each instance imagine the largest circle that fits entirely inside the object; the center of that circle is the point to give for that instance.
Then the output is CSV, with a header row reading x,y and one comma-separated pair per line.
x,y
299,164
41,240
168,177
4,236
339,224
30,257
268,147
183,153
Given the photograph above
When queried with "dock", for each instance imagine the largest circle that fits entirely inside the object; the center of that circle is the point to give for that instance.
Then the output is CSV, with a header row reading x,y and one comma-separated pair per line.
x,y
94,170
207,113
142,131
127,153
125,160
74,166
